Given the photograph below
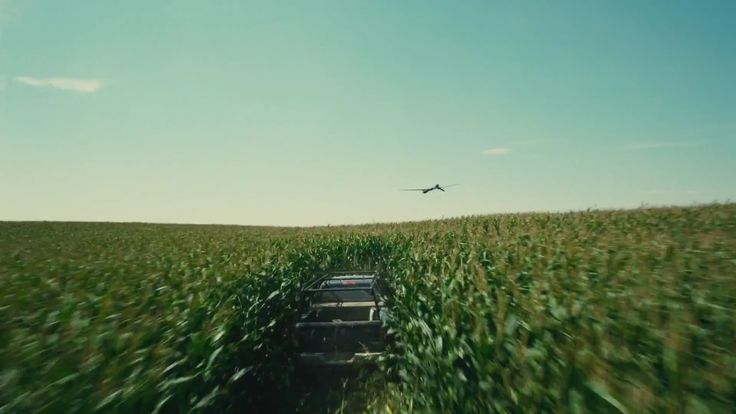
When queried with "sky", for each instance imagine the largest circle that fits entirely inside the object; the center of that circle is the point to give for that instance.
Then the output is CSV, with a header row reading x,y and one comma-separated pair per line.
x,y
312,113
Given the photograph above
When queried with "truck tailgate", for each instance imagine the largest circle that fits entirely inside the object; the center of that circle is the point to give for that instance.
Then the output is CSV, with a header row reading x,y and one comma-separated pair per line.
x,y
340,336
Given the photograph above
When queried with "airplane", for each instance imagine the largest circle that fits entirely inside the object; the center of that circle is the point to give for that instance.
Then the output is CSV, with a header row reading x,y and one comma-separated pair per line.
x,y
426,190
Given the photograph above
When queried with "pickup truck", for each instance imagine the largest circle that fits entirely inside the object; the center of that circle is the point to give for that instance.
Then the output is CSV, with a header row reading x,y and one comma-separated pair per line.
x,y
344,323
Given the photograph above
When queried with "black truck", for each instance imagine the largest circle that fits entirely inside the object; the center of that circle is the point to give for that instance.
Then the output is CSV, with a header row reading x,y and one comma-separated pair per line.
x,y
345,322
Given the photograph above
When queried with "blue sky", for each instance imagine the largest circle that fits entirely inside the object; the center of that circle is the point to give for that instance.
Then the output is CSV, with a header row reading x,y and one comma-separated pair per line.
x,y
306,113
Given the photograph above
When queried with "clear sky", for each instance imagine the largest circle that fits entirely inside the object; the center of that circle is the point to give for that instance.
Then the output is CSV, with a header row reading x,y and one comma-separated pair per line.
x,y
318,112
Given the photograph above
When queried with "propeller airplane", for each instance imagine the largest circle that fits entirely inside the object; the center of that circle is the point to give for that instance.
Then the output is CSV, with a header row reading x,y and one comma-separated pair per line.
x,y
426,190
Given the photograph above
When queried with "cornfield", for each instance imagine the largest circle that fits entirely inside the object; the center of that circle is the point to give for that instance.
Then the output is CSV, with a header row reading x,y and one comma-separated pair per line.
x,y
603,311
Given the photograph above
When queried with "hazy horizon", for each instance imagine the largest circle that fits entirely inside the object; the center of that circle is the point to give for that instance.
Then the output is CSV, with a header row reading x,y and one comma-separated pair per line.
x,y
309,114
358,224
